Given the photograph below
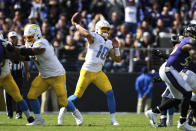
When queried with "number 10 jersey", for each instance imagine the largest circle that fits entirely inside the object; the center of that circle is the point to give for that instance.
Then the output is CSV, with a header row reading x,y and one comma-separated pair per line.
x,y
97,53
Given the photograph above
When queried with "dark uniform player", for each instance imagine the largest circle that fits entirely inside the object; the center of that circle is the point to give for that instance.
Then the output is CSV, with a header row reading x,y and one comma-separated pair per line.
x,y
189,73
179,88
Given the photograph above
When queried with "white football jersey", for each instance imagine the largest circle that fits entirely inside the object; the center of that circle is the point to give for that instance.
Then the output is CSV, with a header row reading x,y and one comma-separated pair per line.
x,y
97,53
5,70
47,63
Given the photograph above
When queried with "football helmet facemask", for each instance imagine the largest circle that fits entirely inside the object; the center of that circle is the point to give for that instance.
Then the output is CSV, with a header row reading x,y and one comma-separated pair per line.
x,y
32,32
102,27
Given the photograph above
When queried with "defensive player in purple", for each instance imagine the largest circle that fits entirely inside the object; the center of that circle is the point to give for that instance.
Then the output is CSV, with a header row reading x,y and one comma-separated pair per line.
x,y
179,88
189,75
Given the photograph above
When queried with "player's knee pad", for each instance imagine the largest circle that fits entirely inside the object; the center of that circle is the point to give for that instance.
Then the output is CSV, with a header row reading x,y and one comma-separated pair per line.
x,y
109,93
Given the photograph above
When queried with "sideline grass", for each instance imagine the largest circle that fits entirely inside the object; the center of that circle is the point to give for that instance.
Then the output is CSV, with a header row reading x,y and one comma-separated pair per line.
x,y
93,122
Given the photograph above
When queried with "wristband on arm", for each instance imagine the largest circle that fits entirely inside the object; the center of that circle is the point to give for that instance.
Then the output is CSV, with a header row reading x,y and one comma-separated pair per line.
x,y
116,51
77,26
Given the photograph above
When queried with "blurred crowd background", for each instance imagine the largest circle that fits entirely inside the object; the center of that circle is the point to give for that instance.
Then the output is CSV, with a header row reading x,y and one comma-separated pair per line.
x,y
139,25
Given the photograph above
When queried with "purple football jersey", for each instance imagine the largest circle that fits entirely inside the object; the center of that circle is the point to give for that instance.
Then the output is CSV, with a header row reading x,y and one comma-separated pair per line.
x,y
178,58
191,67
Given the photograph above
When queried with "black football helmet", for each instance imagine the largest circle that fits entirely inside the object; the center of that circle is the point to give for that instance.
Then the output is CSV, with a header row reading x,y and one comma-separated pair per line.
x,y
190,31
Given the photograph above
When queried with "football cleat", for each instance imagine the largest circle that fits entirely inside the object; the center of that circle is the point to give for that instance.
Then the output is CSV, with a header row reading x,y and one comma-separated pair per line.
x,y
18,116
185,126
37,122
153,118
114,123
162,122
30,119
78,117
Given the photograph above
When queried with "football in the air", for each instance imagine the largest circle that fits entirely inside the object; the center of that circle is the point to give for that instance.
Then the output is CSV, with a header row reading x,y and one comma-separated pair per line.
x,y
77,17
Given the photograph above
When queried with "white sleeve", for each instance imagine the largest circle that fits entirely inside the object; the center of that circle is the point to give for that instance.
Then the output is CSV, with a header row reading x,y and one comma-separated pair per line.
x,y
93,34
111,46
95,38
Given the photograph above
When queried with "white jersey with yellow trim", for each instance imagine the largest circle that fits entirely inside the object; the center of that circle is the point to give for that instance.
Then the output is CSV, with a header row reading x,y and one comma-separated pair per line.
x,y
47,63
97,53
5,70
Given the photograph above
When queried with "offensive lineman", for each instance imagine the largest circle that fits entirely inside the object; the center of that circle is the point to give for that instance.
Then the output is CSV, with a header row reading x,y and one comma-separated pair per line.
x,y
51,74
99,46
7,81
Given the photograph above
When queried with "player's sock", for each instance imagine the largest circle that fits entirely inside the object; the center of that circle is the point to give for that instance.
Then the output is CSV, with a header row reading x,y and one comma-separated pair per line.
x,y
185,107
170,117
70,106
169,103
23,105
72,98
27,113
113,116
38,116
111,101
24,108
35,105
170,111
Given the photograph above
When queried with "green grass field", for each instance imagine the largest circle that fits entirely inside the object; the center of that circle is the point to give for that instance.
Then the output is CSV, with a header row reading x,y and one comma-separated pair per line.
x,y
93,122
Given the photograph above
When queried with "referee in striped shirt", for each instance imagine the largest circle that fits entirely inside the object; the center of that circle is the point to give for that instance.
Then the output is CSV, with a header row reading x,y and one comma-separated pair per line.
x,y
17,69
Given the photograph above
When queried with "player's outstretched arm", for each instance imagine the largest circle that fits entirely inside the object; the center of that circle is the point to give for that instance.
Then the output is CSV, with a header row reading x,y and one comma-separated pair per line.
x,y
115,53
160,54
31,51
191,49
75,20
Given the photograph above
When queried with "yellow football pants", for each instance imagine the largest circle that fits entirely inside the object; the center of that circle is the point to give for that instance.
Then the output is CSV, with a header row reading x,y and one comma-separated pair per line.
x,y
98,78
11,87
58,83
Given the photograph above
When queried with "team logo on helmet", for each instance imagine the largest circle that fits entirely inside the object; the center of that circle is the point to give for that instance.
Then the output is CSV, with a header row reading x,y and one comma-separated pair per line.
x,y
32,32
190,31
102,27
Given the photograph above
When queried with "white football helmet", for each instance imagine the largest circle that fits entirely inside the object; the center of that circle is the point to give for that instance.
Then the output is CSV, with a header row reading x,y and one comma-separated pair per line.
x,y
32,32
102,27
